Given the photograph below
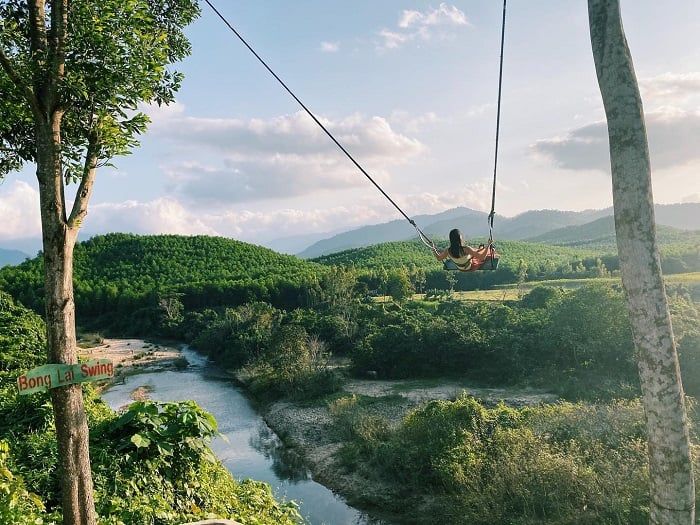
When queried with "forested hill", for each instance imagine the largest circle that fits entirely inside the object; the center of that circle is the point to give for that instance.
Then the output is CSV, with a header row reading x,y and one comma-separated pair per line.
x,y
127,272
600,234
412,254
529,260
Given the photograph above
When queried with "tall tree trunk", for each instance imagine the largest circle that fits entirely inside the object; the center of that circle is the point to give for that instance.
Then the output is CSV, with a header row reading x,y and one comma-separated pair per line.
x,y
69,413
670,466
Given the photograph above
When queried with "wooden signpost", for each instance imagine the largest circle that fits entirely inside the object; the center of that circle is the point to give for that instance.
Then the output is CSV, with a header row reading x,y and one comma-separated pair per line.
x,y
53,376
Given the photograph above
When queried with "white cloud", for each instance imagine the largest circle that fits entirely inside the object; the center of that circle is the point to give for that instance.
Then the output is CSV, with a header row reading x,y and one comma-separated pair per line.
x,y
168,215
475,195
393,39
368,137
163,215
19,211
672,141
479,110
444,15
278,157
330,47
258,227
261,226
695,197
422,25
671,88
273,177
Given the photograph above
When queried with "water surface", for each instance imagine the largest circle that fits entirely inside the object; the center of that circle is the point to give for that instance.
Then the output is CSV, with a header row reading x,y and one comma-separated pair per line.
x,y
251,449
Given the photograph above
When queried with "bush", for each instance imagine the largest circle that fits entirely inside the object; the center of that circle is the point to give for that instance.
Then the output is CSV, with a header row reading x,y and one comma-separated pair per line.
x,y
18,506
241,335
541,297
154,466
553,464
294,366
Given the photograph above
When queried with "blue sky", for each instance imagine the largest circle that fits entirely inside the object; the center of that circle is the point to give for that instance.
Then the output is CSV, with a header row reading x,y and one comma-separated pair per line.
x,y
410,87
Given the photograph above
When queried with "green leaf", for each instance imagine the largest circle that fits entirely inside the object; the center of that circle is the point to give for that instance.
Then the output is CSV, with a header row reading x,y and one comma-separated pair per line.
x,y
140,441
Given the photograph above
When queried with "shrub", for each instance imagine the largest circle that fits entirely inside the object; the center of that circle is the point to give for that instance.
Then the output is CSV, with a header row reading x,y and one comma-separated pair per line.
x,y
241,335
17,505
555,464
294,366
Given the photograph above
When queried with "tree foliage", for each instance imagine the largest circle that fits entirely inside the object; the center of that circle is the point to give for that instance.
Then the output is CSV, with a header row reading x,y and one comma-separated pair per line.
x,y
113,58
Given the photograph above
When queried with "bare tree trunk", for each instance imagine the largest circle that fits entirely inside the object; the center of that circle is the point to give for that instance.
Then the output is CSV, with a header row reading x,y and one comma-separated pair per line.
x,y
69,412
670,466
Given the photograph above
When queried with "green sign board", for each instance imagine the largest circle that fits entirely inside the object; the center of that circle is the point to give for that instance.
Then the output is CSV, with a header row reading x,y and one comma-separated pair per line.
x,y
53,376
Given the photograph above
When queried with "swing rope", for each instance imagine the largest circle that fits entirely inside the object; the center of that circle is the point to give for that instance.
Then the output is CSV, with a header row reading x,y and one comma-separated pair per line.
x,y
422,236
492,213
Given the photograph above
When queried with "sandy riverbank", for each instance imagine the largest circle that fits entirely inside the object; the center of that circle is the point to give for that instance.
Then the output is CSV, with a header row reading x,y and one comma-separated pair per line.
x,y
132,355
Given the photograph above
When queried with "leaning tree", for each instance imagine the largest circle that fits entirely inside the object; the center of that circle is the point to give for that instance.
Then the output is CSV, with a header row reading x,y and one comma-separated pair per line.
x,y
670,467
72,73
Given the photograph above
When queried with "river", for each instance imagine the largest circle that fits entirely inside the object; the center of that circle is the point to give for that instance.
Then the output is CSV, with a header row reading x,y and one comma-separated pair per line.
x,y
251,449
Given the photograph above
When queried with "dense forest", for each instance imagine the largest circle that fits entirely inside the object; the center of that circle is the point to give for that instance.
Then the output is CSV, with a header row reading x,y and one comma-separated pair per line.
x,y
577,343
582,460
306,331
118,275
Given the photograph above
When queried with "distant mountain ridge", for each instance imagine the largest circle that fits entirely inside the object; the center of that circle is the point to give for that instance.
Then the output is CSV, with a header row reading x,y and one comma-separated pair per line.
x,y
396,230
11,257
601,233
528,225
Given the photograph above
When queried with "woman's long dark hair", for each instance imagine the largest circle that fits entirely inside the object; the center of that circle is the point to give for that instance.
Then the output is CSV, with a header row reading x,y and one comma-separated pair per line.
x,y
456,249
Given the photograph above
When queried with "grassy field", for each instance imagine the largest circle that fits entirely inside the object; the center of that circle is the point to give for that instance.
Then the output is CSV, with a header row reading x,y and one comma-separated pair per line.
x,y
679,278
502,294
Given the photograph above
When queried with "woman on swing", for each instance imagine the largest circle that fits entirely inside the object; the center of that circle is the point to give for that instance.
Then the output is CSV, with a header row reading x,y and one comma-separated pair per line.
x,y
464,256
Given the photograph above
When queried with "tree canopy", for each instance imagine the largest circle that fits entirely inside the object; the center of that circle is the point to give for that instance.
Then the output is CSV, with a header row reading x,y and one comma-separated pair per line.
x,y
112,58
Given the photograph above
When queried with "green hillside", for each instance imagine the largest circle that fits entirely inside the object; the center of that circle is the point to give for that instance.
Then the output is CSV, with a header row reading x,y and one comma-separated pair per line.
x,y
126,272
600,234
531,261
413,254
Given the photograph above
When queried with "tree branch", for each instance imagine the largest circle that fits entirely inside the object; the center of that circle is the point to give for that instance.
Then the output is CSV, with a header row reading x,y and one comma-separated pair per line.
x,y
37,46
17,81
80,204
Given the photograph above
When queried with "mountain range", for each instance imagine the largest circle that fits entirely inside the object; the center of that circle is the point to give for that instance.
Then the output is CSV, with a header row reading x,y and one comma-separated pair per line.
x,y
532,225
11,257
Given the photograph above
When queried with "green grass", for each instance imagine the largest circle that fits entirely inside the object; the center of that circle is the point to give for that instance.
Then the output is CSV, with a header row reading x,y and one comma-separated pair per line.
x,y
89,339
684,278
692,278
